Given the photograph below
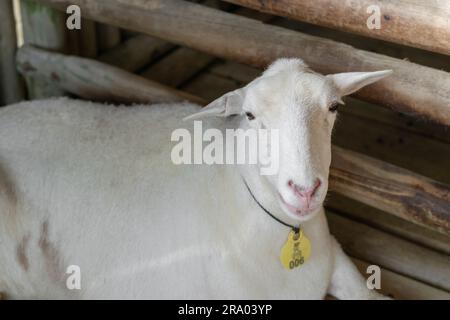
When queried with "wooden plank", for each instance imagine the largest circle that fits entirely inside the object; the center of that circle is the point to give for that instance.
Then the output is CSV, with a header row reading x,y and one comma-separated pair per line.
x,y
107,36
178,67
390,252
420,56
252,42
11,86
136,52
95,80
391,189
401,122
387,222
400,287
389,143
46,28
182,64
421,24
73,41
238,72
88,39
209,86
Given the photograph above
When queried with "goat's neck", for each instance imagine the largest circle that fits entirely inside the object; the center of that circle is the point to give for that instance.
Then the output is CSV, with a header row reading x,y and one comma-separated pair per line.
x,y
264,193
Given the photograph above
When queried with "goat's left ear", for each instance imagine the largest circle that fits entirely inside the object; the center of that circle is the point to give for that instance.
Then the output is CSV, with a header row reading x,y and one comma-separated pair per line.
x,y
228,104
349,82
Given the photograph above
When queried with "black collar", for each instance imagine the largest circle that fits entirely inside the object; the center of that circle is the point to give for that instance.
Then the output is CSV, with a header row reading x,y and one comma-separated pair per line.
x,y
294,228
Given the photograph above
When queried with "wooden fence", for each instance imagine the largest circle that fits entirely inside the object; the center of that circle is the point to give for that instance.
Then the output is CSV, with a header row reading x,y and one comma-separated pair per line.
x,y
103,64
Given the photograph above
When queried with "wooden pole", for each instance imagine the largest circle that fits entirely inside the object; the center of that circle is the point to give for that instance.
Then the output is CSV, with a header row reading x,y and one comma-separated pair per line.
x,y
184,63
136,52
381,248
400,287
412,89
88,39
46,28
420,24
397,191
11,86
108,37
389,188
94,80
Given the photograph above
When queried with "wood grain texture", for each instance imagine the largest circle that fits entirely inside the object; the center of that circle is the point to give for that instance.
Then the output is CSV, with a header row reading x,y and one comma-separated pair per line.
x,y
392,253
46,28
420,24
400,287
178,67
427,58
107,37
402,147
136,52
95,80
389,223
412,88
391,189
11,85
88,39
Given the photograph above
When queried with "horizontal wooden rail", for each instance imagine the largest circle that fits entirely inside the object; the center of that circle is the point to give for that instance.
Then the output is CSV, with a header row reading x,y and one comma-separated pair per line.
x,y
400,287
370,181
392,189
136,52
95,80
393,253
420,24
412,89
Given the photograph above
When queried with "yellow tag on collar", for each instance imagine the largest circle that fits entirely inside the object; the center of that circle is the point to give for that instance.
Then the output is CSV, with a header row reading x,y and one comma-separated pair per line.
x,y
296,251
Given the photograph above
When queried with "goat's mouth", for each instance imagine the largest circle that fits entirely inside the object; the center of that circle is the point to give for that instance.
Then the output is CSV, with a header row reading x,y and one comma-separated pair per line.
x,y
297,211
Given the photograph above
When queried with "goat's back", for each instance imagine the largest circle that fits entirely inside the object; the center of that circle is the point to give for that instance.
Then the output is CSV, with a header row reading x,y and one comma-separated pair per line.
x,y
77,177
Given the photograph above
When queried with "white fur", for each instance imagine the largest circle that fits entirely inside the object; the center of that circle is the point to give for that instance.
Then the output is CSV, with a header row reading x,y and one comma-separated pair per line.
x,y
93,185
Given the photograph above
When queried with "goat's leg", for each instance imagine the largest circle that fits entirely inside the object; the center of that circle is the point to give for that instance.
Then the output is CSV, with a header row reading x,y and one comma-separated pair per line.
x,y
346,281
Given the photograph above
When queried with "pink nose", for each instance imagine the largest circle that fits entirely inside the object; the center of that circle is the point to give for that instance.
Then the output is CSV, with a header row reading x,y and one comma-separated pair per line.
x,y
303,194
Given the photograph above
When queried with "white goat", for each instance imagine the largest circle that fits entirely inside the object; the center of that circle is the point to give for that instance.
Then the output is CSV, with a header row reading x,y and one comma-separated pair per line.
x,y
93,185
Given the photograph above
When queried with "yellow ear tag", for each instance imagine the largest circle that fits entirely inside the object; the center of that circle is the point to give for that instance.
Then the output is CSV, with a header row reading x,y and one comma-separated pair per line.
x,y
296,250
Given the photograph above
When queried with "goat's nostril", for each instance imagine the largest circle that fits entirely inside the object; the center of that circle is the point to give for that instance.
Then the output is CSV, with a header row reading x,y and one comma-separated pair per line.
x,y
305,192
316,186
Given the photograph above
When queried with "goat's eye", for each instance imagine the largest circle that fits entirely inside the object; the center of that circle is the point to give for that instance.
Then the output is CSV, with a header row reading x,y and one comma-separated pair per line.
x,y
250,116
334,107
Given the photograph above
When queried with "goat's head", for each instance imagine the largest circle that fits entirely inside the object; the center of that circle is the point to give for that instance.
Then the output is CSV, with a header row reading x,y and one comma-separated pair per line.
x,y
302,105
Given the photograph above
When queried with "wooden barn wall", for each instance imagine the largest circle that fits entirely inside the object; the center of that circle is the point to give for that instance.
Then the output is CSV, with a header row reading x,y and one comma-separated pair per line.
x,y
413,257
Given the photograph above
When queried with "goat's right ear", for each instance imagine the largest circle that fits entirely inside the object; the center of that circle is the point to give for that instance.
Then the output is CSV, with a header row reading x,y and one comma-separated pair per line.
x,y
228,104
349,82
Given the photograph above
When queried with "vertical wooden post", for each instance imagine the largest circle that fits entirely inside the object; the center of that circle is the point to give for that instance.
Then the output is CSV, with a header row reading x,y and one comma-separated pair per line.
x,y
11,86
108,37
88,39
46,28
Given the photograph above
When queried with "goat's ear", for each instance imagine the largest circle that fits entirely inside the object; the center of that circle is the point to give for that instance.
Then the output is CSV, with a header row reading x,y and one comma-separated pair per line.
x,y
226,105
349,82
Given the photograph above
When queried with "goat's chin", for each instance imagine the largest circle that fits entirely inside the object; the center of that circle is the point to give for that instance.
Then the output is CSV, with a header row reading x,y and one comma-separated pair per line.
x,y
301,216
304,217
